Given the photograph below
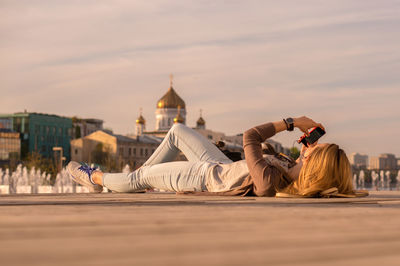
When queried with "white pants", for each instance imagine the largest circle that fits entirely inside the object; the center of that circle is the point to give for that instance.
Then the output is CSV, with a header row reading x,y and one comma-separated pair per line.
x,y
161,172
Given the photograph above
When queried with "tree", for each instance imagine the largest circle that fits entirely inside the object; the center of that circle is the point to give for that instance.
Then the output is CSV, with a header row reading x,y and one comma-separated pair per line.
x,y
294,152
14,160
101,155
77,132
111,164
34,159
98,155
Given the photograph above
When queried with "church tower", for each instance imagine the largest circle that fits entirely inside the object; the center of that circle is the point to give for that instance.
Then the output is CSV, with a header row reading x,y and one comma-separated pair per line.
x,y
140,124
178,118
170,107
201,123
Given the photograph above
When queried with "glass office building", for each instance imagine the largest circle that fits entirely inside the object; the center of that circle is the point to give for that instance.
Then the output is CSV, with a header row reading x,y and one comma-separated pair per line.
x,y
10,144
40,132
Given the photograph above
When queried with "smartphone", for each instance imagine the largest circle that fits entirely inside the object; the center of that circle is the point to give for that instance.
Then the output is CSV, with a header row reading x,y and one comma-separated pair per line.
x,y
315,134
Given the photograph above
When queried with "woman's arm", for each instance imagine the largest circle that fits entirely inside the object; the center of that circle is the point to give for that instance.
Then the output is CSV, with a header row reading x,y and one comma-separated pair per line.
x,y
303,123
266,178
280,126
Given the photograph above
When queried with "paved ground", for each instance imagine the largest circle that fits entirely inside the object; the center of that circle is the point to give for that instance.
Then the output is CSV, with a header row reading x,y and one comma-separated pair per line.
x,y
166,229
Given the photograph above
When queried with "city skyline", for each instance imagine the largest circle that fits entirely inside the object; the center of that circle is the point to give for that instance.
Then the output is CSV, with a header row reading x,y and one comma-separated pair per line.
x,y
243,64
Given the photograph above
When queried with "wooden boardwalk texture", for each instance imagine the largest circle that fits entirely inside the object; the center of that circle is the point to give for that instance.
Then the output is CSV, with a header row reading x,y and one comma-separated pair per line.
x,y
168,229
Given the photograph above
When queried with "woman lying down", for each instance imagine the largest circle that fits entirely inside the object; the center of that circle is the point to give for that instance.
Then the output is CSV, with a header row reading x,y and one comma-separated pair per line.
x,y
322,170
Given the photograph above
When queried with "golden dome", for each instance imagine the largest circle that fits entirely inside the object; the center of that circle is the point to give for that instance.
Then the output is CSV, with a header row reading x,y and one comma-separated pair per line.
x,y
179,119
140,120
201,121
171,100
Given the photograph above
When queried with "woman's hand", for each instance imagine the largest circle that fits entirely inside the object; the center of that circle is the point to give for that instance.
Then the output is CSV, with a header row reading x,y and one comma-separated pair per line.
x,y
302,154
304,124
305,151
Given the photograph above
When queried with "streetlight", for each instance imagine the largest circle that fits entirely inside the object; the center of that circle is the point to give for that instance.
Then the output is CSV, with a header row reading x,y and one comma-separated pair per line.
x,y
62,158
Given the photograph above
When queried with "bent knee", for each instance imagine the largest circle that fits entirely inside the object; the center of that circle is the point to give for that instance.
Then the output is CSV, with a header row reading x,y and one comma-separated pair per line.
x,y
178,127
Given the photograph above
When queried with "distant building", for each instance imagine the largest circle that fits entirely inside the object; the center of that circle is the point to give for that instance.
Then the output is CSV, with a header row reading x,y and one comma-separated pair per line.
x,y
278,147
40,132
133,151
359,160
140,125
170,109
375,162
10,145
6,122
85,126
384,161
201,123
232,143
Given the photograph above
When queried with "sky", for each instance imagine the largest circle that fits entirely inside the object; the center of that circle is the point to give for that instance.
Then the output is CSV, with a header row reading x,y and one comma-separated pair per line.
x,y
243,63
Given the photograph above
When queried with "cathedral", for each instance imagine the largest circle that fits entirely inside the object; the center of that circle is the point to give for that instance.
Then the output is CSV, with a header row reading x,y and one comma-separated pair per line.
x,y
170,109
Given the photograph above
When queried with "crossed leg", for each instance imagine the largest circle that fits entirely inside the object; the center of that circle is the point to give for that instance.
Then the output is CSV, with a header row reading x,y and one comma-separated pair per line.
x,y
160,171
193,145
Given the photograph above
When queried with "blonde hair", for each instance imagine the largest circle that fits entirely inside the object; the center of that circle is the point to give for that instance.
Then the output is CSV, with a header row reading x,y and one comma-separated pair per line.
x,y
327,167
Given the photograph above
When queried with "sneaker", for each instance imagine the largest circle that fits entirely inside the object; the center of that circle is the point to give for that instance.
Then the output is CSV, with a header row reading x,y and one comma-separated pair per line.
x,y
81,174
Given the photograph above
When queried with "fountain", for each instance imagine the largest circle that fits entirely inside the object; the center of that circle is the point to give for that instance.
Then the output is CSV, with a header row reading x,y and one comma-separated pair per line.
x,y
4,176
388,180
22,181
361,180
34,181
126,169
381,179
374,177
398,180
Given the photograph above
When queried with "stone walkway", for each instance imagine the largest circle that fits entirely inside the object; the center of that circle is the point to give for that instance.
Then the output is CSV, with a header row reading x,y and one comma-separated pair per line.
x,y
167,229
